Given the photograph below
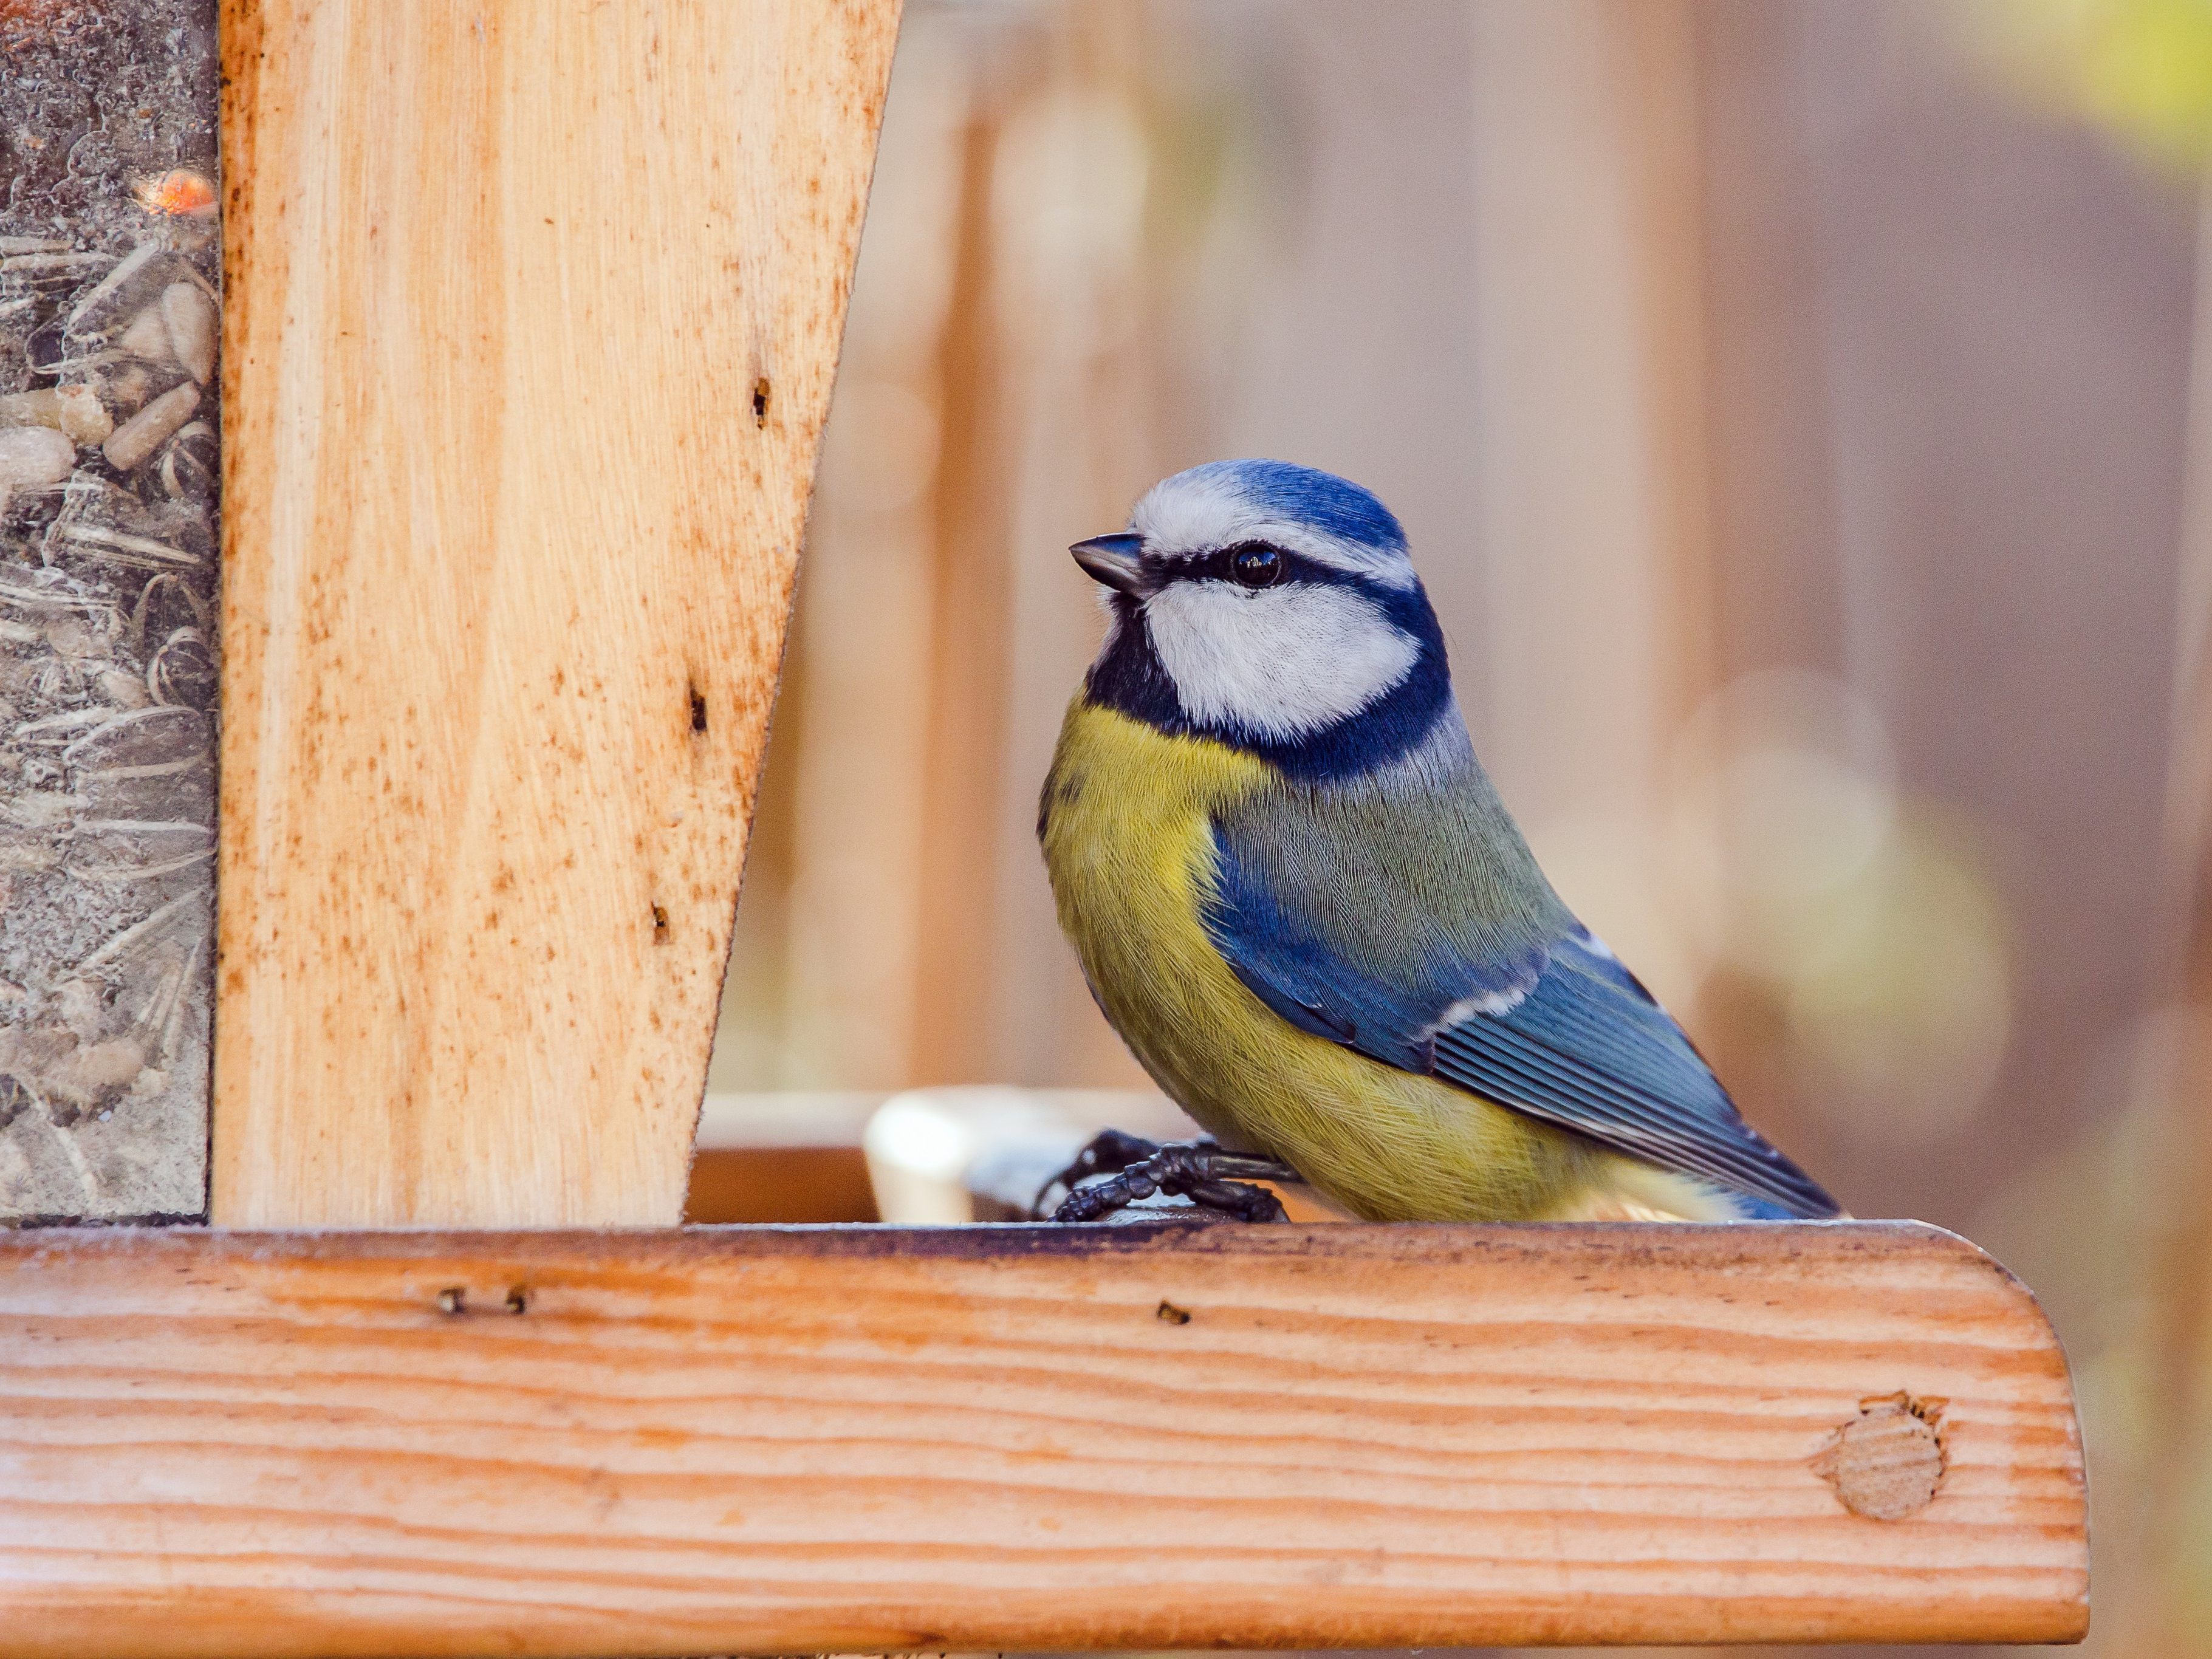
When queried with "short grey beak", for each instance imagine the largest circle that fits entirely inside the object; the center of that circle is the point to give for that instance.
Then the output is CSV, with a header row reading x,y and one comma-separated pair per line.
x,y
1115,561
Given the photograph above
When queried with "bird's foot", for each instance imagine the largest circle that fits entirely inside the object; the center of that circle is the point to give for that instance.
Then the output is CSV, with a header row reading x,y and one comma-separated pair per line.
x,y
1109,1152
1201,1170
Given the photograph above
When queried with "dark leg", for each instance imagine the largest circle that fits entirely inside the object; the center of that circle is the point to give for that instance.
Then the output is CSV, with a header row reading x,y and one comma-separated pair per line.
x,y
1198,1170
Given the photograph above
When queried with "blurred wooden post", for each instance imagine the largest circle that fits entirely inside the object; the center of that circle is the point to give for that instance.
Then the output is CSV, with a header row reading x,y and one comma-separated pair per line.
x,y
2181,974
968,679
1590,345
2180,1388
532,316
1774,583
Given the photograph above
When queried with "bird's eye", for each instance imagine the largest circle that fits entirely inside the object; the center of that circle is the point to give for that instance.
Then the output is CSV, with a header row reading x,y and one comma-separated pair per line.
x,y
1257,567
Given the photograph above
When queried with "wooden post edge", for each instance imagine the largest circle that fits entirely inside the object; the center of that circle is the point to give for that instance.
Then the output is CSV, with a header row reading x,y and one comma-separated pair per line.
x,y
794,1439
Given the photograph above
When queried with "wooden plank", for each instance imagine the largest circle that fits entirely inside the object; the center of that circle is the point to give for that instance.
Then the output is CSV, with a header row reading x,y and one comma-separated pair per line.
x,y
783,1441
532,316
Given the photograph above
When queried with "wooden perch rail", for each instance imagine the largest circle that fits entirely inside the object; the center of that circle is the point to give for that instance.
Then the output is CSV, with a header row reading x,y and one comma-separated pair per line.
x,y
776,1441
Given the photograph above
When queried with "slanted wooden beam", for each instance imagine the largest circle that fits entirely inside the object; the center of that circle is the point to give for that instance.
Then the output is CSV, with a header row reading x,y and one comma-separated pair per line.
x,y
773,1440
532,312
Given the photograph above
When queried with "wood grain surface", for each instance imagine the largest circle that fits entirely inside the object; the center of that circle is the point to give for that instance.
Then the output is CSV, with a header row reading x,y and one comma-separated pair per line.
x,y
532,314
797,1440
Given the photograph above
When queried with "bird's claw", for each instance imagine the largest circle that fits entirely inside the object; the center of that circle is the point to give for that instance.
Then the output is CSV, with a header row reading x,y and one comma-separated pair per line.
x,y
1198,1170
1110,1152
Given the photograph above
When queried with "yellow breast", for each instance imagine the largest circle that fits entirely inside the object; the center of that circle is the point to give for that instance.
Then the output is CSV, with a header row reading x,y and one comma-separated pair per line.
x,y
1126,823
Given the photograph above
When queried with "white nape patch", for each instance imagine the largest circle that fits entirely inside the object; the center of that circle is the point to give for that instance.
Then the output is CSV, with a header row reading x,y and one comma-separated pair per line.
x,y
1278,663
1198,514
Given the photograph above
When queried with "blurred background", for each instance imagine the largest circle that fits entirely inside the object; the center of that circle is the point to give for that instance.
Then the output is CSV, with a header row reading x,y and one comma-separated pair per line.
x,y
1802,414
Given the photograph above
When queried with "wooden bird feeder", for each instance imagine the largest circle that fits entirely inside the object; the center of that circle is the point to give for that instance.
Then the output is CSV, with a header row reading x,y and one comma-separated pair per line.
x,y
521,396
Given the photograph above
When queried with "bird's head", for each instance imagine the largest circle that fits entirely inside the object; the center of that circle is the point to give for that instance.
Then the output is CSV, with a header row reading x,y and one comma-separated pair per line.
x,y
1274,608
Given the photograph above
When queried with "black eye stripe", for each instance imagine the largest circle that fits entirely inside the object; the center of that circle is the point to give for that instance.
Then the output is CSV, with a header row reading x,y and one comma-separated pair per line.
x,y
1236,564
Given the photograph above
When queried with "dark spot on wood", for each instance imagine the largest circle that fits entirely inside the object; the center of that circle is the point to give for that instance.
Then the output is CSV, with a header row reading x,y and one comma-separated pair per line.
x,y
518,1300
1168,1314
660,923
453,1300
698,708
760,401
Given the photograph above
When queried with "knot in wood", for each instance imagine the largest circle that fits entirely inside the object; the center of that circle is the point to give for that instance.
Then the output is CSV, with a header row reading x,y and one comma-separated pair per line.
x,y
1886,1462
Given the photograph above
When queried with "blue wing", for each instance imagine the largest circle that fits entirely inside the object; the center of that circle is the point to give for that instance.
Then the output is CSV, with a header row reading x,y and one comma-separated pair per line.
x,y
1442,963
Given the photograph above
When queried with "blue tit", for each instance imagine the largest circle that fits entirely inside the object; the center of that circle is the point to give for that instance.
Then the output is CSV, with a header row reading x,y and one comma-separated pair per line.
x,y
1297,897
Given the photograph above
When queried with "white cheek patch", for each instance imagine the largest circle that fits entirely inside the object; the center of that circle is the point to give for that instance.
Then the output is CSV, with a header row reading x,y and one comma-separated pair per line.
x,y
1279,663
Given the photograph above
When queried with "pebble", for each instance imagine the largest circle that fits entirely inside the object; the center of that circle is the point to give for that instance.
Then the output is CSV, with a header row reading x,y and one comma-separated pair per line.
x,y
69,637
44,809
74,410
126,388
33,456
190,315
94,1067
148,336
144,432
81,1005
125,690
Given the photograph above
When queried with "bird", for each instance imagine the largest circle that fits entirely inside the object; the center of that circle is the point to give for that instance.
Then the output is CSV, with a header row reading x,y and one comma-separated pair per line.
x,y
1298,898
